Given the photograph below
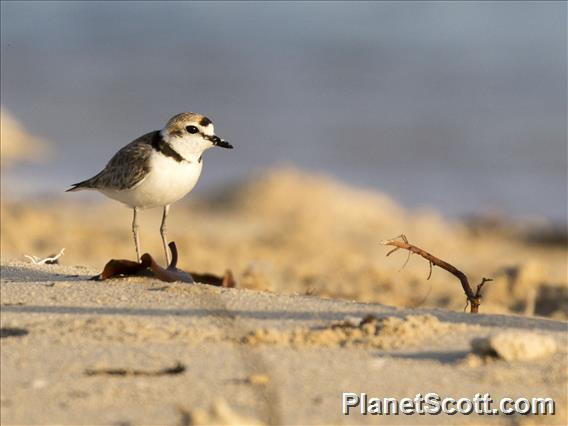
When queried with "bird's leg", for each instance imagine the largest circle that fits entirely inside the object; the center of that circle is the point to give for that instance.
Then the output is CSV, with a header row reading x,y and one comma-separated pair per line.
x,y
135,233
163,232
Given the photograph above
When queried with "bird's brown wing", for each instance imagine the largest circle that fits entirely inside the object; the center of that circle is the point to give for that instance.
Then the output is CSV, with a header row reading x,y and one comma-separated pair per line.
x,y
125,169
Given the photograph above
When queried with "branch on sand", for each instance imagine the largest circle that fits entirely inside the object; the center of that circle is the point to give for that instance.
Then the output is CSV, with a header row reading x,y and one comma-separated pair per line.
x,y
473,299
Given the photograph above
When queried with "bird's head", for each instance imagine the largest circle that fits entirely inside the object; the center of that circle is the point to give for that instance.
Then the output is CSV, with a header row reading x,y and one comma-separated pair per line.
x,y
192,133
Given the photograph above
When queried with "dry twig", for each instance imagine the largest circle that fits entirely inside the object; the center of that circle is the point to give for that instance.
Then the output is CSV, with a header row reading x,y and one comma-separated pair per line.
x,y
178,368
473,299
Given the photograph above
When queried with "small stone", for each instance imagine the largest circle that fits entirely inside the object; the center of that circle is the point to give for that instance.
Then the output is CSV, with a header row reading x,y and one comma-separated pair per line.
x,y
473,360
377,363
258,379
39,384
515,346
61,284
351,321
220,413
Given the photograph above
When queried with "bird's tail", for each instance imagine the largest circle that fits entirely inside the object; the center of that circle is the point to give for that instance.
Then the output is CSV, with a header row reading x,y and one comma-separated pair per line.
x,y
86,184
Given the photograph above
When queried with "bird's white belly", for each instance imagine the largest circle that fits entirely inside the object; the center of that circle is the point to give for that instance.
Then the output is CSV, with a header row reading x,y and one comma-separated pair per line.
x,y
167,182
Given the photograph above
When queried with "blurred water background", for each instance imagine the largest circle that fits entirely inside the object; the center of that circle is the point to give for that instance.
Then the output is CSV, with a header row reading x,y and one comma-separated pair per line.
x,y
460,106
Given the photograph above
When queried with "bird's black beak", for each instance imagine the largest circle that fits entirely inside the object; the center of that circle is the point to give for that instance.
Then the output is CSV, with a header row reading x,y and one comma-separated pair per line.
x,y
217,141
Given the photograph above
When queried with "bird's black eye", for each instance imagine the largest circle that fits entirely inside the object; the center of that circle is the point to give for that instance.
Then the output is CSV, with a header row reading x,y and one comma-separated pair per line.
x,y
192,129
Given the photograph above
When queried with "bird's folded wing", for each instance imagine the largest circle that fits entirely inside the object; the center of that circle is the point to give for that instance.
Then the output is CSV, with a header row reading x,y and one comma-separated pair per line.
x,y
127,168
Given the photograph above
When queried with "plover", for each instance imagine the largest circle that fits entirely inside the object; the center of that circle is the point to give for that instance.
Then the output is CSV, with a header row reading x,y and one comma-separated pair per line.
x,y
157,169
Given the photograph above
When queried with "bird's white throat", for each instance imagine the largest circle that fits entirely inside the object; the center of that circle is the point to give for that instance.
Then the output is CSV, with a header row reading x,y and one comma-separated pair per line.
x,y
190,147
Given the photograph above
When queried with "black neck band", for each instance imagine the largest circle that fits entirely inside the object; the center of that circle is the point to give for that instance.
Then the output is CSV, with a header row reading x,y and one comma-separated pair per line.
x,y
160,145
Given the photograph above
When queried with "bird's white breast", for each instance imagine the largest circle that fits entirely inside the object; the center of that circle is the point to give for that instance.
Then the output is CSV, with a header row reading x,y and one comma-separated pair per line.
x,y
167,182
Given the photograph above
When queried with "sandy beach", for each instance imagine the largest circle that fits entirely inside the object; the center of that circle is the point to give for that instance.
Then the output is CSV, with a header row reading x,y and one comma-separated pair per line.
x,y
283,346
111,352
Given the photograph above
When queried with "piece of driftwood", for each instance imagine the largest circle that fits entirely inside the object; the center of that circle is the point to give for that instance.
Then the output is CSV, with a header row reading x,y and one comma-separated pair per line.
x,y
150,268
178,368
473,299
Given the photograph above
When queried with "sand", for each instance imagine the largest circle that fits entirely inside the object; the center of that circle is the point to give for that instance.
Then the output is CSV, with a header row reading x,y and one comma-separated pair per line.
x,y
318,311
141,351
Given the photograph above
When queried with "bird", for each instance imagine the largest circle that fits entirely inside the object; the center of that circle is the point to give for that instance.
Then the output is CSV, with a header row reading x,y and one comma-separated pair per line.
x,y
157,169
